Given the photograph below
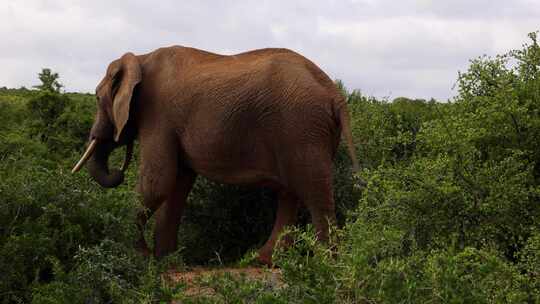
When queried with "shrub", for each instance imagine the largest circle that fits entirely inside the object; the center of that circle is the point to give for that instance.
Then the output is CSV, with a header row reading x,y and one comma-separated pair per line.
x,y
370,263
450,212
46,215
60,122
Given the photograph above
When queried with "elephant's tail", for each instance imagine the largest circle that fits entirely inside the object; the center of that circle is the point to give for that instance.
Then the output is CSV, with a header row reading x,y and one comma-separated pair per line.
x,y
345,122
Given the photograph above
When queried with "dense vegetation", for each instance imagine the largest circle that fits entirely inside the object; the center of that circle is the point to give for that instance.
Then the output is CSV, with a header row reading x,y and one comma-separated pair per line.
x,y
450,212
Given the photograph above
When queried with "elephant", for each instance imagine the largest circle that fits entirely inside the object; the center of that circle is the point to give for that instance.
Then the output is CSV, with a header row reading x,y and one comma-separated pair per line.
x,y
267,117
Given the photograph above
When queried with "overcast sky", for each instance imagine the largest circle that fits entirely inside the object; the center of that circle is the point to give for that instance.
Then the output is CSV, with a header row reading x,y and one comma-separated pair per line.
x,y
385,48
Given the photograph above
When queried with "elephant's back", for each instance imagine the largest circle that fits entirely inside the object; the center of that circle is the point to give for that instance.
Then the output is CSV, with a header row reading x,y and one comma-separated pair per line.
x,y
271,92
253,110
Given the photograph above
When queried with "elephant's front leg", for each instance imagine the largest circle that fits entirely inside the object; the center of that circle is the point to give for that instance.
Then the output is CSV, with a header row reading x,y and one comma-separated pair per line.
x,y
157,179
169,215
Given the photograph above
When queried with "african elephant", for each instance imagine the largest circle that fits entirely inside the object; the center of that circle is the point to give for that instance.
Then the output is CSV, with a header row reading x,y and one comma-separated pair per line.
x,y
267,117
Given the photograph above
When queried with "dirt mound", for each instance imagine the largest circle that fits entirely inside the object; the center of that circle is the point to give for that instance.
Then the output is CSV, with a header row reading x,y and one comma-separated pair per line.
x,y
194,277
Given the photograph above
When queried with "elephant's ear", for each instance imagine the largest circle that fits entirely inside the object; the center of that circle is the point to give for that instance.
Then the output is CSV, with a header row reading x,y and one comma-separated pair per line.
x,y
125,79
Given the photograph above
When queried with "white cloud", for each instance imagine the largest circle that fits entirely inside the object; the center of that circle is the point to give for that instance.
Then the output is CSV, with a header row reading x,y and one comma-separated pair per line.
x,y
412,48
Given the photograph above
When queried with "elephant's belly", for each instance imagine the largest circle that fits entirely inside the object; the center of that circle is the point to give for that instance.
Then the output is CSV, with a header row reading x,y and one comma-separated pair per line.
x,y
240,159
239,176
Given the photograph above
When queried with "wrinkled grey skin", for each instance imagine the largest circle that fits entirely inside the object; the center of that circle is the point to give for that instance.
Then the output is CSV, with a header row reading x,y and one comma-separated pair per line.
x,y
267,117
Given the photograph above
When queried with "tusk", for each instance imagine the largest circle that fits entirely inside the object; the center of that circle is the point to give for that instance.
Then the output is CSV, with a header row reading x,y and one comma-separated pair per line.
x,y
129,153
86,156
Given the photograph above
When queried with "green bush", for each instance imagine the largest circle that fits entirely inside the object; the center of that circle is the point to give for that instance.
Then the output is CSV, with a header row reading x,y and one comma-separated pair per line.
x,y
450,212
60,122
473,276
46,216
386,133
529,263
474,179
108,273
375,264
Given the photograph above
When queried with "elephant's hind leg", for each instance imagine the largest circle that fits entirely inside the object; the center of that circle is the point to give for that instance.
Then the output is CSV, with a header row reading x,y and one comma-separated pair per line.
x,y
313,183
169,215
319,199
285,216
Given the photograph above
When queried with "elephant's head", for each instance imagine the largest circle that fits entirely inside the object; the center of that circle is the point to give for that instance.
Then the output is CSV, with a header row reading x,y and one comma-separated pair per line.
x,y
110,130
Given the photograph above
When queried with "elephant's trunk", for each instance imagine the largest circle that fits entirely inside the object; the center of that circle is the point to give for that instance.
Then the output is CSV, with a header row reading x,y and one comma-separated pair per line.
x,y
98,165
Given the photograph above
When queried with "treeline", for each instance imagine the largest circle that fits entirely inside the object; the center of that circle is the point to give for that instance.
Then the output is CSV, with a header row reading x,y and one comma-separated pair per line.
x,y
450,211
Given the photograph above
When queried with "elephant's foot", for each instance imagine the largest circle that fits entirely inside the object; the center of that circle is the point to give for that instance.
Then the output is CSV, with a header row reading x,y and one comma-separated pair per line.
x,y
265,256
142,248
161,251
